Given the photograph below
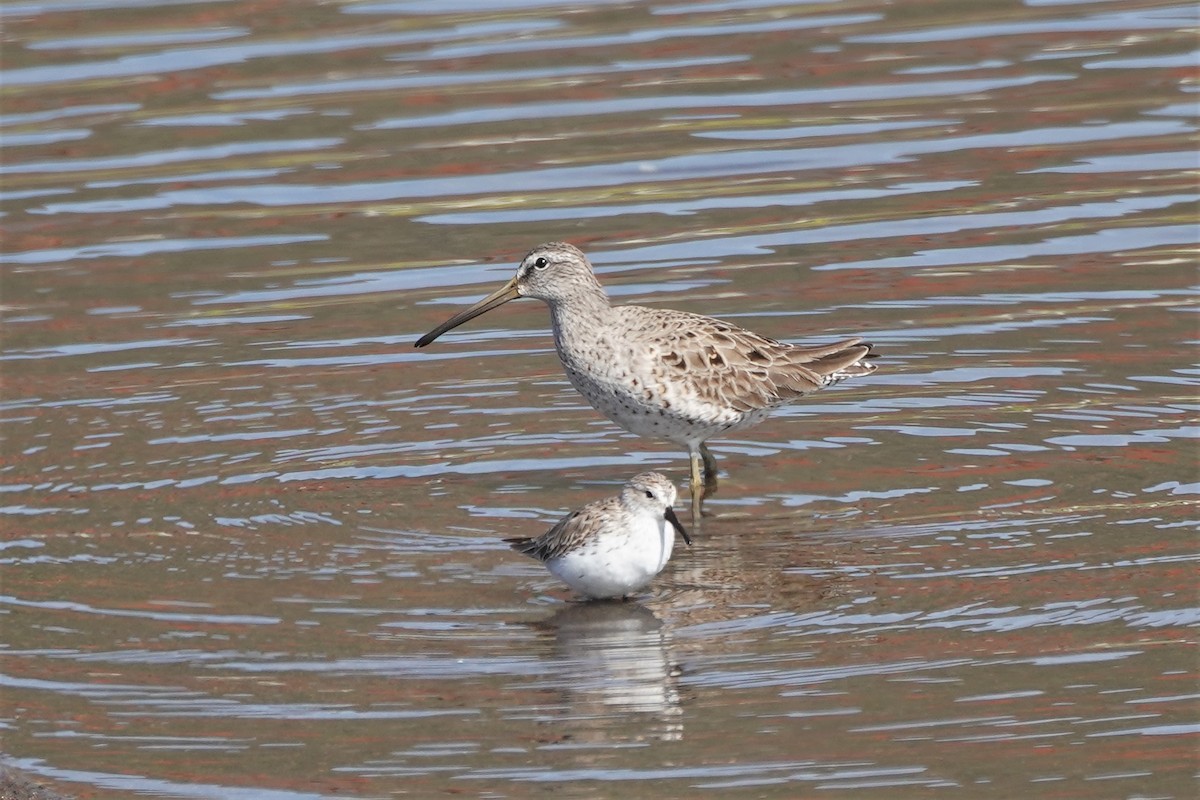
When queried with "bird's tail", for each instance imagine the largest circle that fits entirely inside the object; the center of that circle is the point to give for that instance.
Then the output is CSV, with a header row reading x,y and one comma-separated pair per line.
x,y
526,546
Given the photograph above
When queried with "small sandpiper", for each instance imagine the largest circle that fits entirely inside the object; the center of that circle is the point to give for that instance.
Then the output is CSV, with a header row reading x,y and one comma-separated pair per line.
x,y
666,374
614,546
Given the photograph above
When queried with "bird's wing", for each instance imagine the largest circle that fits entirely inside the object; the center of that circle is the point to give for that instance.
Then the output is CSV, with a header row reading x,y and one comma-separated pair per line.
x,y
566,533
721,363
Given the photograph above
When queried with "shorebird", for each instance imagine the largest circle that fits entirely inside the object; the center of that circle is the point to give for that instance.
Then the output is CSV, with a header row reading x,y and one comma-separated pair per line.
x,y
666,374
614,546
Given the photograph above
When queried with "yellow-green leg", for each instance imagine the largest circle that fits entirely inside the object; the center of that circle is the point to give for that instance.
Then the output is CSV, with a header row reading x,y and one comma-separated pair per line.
x,y
710,472
696,486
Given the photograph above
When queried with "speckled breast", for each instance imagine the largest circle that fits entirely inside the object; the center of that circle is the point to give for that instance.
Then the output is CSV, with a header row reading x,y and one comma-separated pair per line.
x,y
656,411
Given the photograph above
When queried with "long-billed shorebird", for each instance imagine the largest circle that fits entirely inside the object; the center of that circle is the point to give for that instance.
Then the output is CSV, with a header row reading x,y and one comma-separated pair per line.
x,y
614,546
667,374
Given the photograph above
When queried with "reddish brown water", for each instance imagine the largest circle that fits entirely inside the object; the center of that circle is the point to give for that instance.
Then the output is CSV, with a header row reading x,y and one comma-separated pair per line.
x,y
252,538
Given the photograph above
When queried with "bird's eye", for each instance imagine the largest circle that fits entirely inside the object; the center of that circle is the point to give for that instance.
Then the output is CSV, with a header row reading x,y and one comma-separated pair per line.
x,y
540,263
650,494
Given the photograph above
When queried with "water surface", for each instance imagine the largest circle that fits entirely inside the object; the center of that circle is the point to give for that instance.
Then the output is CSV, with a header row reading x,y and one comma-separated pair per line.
x,y
252,538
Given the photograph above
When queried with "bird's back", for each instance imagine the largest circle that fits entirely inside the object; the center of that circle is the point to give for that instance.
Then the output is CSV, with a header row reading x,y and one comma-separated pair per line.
x,y
569,533
693,365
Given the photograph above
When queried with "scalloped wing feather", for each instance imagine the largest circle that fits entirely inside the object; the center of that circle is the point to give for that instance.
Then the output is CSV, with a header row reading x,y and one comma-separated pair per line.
x,y
567,533
721,363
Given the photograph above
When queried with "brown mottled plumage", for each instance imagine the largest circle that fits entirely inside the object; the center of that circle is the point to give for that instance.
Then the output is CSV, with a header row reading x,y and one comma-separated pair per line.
x,y
668,374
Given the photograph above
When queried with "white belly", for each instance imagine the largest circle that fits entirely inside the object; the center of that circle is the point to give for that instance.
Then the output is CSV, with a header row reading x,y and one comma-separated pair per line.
x,y
617,563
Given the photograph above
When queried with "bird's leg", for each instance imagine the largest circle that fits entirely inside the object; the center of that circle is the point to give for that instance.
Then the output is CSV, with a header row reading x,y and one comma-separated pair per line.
x,y
710,472
696,486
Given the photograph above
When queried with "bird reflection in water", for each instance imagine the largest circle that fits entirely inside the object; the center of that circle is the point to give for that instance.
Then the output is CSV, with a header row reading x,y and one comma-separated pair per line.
x,y
615,670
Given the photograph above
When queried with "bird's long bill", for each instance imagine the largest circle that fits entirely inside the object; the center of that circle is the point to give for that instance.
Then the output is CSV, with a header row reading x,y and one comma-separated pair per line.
x,y
674,520
497,298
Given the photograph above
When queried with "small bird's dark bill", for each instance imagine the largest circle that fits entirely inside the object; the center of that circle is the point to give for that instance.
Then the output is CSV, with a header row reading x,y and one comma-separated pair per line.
x,y
497,298
674,520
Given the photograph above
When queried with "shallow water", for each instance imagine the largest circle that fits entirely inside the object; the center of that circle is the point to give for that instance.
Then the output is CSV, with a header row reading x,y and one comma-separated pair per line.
x,y
252,537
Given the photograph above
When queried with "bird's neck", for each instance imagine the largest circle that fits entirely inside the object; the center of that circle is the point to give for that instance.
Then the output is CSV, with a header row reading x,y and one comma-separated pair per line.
x,y
580,314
